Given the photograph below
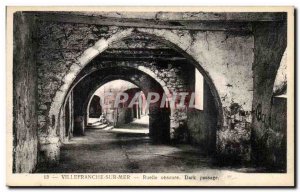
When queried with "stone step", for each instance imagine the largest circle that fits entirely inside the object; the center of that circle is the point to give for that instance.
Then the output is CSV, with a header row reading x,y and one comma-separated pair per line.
x,y
108,128
95,124
99,126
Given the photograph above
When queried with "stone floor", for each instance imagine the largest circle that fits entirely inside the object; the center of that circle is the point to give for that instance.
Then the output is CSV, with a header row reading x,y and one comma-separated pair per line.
x,y
128,149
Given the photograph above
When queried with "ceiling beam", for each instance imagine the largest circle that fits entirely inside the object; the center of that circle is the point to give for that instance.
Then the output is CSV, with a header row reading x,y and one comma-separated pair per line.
x,y
200,25
140,52
137,58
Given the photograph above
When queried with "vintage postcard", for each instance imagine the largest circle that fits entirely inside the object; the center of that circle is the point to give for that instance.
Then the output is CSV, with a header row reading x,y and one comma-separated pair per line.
x,y
150,96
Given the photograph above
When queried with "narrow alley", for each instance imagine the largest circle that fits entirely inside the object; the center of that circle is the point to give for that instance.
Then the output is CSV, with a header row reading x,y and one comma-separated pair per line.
x,y
162,92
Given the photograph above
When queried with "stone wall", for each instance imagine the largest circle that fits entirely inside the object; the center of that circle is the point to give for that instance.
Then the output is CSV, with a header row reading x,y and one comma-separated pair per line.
x,y
228,57
126,113
202,124
24,94
60,44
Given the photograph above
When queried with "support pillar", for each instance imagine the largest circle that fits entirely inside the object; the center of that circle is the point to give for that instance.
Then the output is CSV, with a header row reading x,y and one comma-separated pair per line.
x,y
49,150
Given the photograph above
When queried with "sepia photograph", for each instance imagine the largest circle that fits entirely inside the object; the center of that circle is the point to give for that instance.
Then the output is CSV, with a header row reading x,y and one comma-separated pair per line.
x,y
150,96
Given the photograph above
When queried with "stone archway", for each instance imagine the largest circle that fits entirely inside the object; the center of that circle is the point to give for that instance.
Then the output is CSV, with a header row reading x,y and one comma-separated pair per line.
x,y
99,47
75,68
159,115
171,38
137,67
89,97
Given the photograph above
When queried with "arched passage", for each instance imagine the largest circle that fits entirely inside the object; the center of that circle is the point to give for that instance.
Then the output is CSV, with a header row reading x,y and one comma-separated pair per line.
x,y
101,45
139,108
229,51
106,82
131,113
159,123
79,71
93,73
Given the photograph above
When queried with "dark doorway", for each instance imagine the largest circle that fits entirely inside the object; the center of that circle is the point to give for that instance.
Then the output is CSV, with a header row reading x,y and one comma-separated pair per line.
x,y
95,109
